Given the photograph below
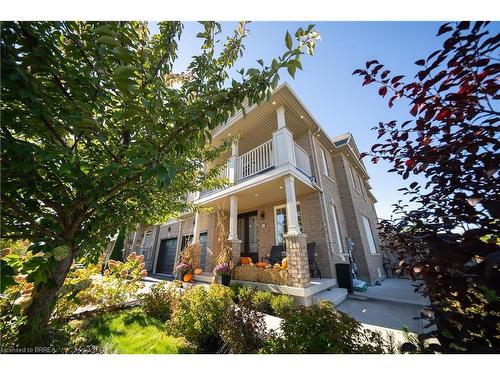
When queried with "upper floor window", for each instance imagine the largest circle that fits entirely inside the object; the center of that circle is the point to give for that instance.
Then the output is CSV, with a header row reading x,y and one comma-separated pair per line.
x,y
324,162
353,179
337,229
369,235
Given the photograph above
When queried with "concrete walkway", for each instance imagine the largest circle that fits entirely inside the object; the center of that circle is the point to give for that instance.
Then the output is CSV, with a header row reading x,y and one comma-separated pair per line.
x,y
396,290
390,306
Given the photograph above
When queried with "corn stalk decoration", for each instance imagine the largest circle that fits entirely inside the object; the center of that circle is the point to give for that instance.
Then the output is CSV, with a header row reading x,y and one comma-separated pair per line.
x,y
226,253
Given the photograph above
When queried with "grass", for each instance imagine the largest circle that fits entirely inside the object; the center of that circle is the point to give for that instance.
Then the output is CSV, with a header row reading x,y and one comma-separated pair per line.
x,y
132,332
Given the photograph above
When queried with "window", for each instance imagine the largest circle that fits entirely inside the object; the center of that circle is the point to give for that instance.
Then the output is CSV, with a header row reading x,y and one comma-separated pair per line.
x,y
325,164
280,222
369,235
337,229
353,179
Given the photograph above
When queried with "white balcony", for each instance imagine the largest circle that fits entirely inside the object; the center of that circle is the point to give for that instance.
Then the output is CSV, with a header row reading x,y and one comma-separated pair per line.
x,y
260,160
255,161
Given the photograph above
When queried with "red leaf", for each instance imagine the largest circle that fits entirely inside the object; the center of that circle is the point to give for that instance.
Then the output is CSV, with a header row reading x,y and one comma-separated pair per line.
x,y
382,91
420,62
444,113
414,110
396,79
444,29
368,63
409,162
384,74
391,101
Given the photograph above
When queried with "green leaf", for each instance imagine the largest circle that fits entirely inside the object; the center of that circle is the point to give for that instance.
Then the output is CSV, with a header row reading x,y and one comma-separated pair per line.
x,y
109,40
291,70
288,40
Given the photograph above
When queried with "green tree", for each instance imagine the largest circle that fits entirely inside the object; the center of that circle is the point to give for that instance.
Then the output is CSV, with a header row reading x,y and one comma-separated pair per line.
x,y
117,252
99,132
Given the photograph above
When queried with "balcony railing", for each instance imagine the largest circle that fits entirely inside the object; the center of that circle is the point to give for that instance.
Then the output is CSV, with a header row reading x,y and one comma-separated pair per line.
x,y
258,160
302,159
255,161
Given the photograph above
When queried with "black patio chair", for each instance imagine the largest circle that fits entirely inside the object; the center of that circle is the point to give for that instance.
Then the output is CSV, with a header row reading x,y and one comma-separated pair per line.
x,y
275,255
311,255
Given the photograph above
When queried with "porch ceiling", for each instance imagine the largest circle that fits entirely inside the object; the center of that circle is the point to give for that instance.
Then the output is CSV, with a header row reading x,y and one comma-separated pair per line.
x,y
260,123
260,195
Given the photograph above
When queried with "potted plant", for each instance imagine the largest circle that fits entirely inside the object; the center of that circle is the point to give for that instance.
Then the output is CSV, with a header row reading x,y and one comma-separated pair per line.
x,y
182,269
224,272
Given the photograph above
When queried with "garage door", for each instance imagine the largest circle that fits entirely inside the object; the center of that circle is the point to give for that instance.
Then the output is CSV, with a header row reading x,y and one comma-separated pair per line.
x,y
166,256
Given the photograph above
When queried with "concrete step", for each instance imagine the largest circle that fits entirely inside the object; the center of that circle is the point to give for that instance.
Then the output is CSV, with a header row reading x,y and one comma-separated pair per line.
x,y
205,277
334,295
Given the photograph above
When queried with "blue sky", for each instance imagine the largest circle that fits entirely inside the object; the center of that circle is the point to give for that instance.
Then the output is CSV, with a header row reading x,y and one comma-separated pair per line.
x,y
326,85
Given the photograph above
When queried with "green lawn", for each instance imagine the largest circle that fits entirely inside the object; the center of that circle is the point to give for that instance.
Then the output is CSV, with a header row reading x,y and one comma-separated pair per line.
x,y
131,332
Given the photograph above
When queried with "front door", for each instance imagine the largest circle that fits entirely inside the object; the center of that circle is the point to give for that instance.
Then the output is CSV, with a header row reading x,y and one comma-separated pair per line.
x,y
166,256
247,233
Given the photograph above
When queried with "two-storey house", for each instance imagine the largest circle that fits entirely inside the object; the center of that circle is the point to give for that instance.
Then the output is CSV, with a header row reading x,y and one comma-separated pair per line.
x,y
289,177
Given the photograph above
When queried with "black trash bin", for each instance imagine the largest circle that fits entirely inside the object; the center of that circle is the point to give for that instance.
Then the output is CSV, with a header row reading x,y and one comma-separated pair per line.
x,y
344,276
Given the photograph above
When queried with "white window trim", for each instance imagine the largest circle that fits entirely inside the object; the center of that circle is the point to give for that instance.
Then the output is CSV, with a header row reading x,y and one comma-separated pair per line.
x,y
369,235
337,229
276,224
353,180
324,162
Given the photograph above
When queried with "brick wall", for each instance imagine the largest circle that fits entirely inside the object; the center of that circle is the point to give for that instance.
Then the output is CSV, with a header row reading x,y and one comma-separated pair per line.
x,y
354,205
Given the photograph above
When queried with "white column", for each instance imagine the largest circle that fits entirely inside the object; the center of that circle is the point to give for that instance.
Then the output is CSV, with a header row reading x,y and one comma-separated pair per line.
x,y
232,162
233,218
291,205
196,228
283,147
280,113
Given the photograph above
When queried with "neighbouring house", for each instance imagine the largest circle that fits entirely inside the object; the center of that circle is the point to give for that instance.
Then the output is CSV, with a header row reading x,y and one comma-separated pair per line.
x,y
292,184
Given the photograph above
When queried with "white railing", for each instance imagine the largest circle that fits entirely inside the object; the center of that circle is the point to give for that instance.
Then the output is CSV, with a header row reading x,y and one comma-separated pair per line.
x,y
255,160
302,159
223,173
192,196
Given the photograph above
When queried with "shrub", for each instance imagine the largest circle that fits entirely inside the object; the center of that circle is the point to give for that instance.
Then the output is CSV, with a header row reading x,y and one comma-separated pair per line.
x,y
282,305
86,286
322,329
160,301
244,330
242,294
261,301
199,316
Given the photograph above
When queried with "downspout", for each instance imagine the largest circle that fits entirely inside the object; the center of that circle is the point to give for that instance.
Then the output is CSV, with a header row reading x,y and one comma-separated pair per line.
x,y
323,199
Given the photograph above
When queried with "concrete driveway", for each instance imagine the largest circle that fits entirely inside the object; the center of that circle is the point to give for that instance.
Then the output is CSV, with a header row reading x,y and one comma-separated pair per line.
x,y
392,305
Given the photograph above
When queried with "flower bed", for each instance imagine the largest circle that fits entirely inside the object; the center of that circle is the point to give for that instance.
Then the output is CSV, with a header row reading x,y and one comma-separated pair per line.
x,y
250,272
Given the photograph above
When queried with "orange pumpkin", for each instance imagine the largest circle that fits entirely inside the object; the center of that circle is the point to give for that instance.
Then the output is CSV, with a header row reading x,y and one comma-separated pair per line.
x,y
245,260
188,277
198,271
261,264
284,263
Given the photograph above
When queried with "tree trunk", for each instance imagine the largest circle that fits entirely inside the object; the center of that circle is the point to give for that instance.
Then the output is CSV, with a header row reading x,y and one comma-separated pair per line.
x,y
44,299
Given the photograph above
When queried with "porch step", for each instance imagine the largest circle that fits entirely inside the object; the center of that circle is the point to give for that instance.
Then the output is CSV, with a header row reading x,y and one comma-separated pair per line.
x,y
334,295
205,277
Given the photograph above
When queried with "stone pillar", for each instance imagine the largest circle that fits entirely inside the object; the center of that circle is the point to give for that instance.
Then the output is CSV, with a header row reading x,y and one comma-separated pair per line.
x,y
291,205
233,218
236,247
298,263
283,147
232,162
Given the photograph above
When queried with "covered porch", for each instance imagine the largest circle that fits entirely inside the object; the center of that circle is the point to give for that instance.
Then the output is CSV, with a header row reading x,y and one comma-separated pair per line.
x,y
266,215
